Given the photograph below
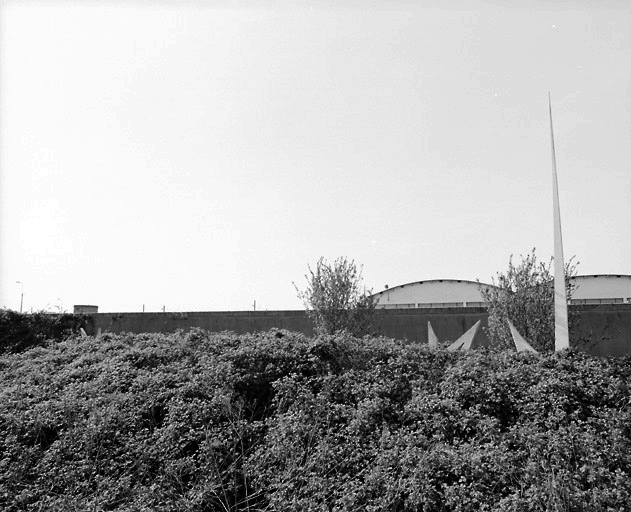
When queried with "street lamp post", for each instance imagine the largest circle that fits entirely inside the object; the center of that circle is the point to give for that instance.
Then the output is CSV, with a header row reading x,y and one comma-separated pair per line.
x,y
21,294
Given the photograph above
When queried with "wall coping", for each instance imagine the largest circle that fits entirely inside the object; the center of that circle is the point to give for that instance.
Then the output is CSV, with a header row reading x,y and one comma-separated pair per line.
x,y
380,311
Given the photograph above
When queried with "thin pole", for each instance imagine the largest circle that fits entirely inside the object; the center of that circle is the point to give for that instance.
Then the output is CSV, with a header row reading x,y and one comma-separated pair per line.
x,y
561,335
21,294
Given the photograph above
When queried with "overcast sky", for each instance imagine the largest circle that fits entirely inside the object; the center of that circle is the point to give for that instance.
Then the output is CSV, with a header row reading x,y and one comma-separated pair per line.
x,y
199,155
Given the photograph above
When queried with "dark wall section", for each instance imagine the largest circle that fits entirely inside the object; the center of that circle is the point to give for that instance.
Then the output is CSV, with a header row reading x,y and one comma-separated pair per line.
x,y
603,330
448,323
410,324
237,321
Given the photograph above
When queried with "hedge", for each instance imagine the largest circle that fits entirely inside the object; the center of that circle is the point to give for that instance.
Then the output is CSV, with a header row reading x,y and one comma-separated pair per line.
x,y
278,421
21,331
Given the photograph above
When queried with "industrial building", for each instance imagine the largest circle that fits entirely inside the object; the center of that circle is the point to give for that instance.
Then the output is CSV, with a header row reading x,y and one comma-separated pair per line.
x,y
433,293
458,293
602,289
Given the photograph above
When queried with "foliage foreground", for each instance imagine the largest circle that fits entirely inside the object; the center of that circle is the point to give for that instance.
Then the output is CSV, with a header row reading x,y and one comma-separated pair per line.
x,y
336,300
277,421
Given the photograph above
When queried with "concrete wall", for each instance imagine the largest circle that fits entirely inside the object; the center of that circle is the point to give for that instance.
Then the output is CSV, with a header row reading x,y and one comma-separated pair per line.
x,y
610,324
448,323
604,329
215,321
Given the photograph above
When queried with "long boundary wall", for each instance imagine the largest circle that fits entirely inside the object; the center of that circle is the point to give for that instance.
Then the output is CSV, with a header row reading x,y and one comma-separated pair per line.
x,y
604,329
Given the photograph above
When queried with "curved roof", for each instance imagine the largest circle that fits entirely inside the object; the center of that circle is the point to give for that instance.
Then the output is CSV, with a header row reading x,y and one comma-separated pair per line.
x,y
602,275
593,288
466,281
485,284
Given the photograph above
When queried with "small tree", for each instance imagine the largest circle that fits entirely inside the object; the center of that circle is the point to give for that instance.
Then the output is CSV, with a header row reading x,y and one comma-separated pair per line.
x,y
335,298
525,295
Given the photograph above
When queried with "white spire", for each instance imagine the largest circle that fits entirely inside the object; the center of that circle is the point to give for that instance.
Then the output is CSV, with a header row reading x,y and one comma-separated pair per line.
x,y
561,336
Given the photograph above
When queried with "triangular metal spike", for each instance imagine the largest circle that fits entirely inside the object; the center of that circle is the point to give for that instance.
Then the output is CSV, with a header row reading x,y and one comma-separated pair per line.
x,y
521,344
466,340
432,339
469,336
455,345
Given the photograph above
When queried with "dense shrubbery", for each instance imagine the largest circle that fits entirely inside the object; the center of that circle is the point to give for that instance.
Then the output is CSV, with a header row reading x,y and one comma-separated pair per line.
x,y
20,331
524,294
336,300
278,421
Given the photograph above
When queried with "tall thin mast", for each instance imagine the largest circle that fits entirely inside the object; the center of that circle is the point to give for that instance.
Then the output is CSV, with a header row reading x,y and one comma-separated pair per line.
x,y
561,336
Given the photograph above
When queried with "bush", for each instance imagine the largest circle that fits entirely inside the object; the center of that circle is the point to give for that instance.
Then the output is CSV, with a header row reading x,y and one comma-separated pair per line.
x,y
21,331
525,295
335,299
279,421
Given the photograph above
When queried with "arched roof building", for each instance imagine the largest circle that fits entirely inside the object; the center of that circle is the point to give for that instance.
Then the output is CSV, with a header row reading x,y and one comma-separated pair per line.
x,y
450,293
602,289
433,293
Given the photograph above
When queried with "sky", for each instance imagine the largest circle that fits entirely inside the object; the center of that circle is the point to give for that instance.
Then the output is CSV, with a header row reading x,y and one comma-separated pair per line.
x,y
199,155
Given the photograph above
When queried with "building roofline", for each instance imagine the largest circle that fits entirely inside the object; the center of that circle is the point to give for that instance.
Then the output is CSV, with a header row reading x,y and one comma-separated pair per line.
x,y
486,284
602,275
436,281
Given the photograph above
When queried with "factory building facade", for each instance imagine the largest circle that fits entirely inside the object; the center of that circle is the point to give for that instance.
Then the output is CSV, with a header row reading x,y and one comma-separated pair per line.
x,y
458,293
